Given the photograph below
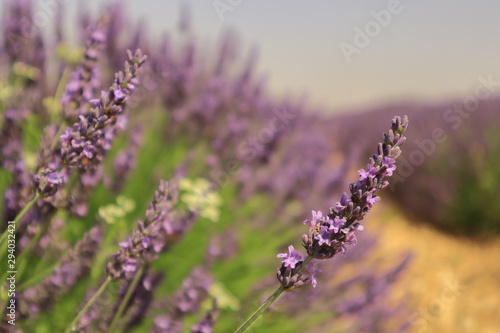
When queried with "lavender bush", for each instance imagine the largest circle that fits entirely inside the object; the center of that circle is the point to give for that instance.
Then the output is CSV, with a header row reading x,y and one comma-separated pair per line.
x,y
187,142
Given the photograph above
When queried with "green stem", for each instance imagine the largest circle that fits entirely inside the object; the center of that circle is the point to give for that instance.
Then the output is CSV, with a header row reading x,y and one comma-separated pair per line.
x,y
55,141
126,298
71,182
40,274
26,208
91,301
17,219
27,250
274,296
269,301
62,83
57,97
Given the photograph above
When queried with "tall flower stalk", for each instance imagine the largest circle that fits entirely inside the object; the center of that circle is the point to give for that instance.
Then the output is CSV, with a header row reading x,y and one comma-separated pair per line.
x,y
162,227
328,235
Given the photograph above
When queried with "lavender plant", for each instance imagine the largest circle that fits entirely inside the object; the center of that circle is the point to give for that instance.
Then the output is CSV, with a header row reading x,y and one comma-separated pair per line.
x,y
110,137
328,235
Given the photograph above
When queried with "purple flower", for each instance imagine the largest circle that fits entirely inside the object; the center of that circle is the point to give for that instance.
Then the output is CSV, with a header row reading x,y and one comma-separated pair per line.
x,y
324,240
151,236
54,179
87,141
75,264
206,324
84,80
47,183
337,224
390,165
291,258
317,217
187,300
88,151
130,265
119,94
324,236
370,172
342,204
312,274
371,199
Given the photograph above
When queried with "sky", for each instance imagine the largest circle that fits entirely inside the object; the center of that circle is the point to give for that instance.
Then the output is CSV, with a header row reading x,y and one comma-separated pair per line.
x,y
346,54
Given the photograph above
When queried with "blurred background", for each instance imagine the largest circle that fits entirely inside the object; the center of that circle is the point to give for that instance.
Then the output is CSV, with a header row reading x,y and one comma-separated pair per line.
x,y
348,67
422,51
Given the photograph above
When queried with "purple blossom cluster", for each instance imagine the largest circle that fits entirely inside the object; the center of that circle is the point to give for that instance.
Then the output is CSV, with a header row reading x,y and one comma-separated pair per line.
x,y
84,144
187,300
161,228
75,264
84,79
328,235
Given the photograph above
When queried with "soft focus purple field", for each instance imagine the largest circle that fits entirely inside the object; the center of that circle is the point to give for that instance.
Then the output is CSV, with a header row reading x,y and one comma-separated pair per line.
x,y
173,176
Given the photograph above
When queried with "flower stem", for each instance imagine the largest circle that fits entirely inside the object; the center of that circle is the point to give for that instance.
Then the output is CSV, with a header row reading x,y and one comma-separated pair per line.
x,y
126,298
57,97
17,219
88,305
274,296
26,208
269,301
27,250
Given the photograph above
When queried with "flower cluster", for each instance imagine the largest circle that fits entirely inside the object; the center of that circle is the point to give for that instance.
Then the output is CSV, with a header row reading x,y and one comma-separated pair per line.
x,y
161,228
80,88
328,235
84,144
47,183
187,300
71,267
291,274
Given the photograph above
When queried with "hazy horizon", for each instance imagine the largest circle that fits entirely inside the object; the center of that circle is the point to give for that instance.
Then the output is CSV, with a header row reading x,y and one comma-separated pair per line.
x,y
424,51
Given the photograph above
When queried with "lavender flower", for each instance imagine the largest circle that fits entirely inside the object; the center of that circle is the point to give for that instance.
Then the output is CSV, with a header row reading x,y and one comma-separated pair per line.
x,y
81,86
161,227
291,275
329,235
66,274
165,324
193,290
47,183
141,300
206,324
187,300
84,144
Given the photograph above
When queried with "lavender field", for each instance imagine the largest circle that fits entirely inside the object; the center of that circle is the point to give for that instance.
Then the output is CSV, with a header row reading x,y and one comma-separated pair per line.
x,y
156,183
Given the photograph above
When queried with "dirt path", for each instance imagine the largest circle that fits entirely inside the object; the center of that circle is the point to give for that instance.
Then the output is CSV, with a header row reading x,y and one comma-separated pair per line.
x,y
454,283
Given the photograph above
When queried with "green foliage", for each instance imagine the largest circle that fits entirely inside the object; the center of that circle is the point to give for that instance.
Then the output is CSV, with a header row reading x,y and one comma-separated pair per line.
x,y
474,210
